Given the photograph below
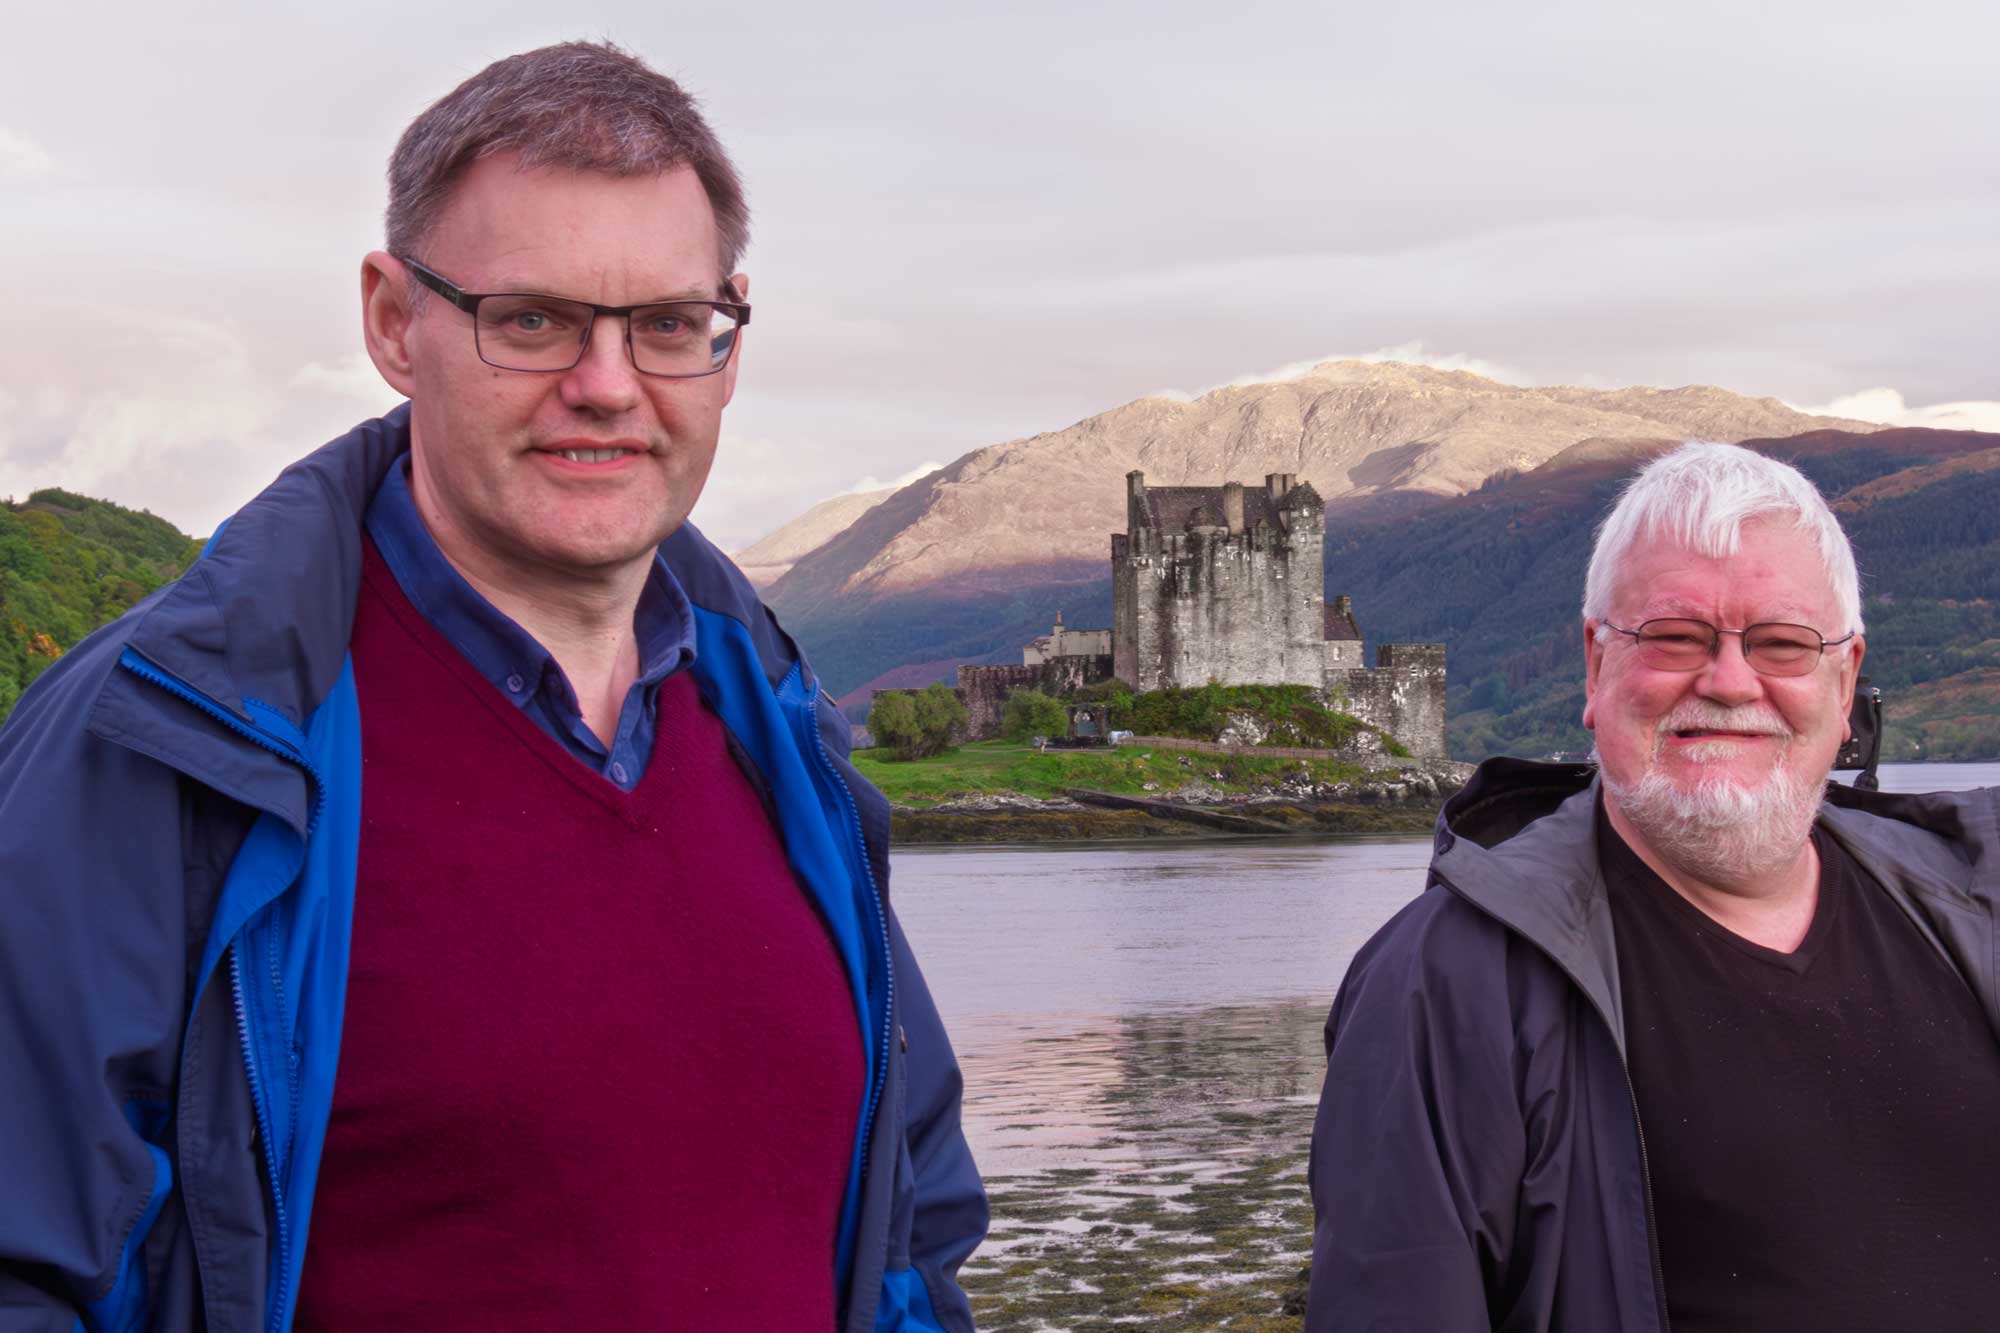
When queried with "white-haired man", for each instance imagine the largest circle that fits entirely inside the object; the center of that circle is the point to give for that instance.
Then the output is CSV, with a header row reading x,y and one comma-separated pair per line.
x,y
587,1008
1789,985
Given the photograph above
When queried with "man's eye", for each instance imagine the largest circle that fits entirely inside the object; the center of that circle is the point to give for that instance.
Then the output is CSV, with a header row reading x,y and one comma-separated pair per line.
x,y
1783,642
667,325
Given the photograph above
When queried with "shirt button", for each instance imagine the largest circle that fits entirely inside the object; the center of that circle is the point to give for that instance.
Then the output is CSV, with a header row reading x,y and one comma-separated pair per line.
x,y
618,774
515,684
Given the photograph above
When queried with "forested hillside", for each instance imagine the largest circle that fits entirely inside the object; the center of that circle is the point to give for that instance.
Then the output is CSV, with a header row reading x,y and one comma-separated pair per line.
x,y
67,565
1498,576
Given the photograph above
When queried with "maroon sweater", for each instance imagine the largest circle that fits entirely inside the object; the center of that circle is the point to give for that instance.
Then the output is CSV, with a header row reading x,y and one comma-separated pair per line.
x,y
600,1065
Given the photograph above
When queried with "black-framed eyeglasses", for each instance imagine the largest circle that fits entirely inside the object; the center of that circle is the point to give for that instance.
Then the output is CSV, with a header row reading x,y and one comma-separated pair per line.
x,y
1689,645
526,331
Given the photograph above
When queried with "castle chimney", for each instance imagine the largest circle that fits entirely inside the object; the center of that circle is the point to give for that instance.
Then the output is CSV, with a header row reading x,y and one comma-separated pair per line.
x,y
1343,605
1232,507
1136,515
1278,483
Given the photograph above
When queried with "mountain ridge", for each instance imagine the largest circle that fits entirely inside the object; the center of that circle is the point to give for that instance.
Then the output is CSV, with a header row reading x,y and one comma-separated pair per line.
x,y
1042,507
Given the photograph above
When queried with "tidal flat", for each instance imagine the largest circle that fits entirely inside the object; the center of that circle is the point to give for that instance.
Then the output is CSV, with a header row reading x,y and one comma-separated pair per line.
x,y
1147,1172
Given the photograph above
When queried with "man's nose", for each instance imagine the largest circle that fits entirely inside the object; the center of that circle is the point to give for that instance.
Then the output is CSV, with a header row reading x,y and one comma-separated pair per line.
x,y
1729,678
604,380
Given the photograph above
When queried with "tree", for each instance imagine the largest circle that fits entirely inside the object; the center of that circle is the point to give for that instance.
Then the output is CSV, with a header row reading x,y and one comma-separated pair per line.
x,y
916,724
1030,713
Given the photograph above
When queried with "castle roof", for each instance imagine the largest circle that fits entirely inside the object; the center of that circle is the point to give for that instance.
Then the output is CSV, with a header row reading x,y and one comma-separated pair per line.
x,y
1340,623
1173,507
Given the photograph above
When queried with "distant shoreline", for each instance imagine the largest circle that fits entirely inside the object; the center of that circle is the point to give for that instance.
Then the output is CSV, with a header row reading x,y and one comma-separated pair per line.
x,y
1007,818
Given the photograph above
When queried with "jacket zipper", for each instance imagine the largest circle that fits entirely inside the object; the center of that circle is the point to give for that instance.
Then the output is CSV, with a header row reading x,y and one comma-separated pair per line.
x,y
146,671
882,923
1631,1090
257,1099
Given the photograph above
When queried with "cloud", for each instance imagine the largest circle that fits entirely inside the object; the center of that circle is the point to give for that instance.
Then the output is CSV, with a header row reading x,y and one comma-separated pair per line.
x,y
875,483
189,436
1409,353
1886,407
351,376
22,159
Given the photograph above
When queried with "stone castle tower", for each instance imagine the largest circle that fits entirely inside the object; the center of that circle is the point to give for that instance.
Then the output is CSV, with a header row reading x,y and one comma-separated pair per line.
x,y
1223,583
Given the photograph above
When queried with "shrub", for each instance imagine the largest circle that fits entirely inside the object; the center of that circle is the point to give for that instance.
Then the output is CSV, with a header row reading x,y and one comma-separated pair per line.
x,y
1030,713
915,724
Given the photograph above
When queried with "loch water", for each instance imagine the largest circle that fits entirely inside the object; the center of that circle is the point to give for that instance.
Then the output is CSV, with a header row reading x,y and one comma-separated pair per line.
x,y
1139,1029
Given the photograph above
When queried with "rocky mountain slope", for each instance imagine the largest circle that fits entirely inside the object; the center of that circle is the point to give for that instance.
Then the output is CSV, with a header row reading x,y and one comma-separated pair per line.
x,y
1043,508
766,559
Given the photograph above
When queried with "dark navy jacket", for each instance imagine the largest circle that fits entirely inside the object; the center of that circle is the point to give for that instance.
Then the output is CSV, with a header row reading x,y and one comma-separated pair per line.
x,y
179,815
1478,1162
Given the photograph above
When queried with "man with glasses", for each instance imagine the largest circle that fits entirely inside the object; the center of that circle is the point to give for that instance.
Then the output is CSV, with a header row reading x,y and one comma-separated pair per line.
x,y
1690,1038
450,903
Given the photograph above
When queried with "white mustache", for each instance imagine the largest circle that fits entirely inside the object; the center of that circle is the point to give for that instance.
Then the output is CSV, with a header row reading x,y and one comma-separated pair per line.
x,y
1701,715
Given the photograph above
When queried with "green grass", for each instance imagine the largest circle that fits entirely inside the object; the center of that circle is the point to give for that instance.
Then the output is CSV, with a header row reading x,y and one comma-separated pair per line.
x,y
993,767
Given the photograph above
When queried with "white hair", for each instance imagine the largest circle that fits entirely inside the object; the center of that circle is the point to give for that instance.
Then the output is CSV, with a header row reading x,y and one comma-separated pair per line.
x,y
1700,496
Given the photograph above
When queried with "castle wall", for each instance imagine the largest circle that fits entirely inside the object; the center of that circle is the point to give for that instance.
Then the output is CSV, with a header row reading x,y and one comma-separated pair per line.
x,y
1344,655
984,689
1062,642
1241,609
1403,695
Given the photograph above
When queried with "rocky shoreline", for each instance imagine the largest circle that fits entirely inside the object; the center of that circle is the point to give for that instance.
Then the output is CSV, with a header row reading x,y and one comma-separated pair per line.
x,y
1405,801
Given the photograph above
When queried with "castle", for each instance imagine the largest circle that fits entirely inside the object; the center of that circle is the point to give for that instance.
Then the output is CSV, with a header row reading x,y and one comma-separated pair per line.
x,y
1226,584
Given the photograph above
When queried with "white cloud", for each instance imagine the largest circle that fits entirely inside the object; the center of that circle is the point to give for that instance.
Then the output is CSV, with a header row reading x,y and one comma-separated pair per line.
x,y
22,159
1410,353
872,482
1886,407
352,376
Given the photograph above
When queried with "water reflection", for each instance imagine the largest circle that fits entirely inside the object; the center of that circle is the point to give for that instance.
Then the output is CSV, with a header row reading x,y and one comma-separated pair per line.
x,y
1169,1088
1139,1026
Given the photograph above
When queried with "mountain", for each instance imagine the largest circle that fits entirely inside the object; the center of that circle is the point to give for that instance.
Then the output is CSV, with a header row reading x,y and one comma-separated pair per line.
x,y
766,559
1498,576
67,565
972,560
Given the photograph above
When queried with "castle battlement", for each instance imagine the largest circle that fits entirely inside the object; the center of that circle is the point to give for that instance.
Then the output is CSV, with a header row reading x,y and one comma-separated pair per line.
x,y
1227,584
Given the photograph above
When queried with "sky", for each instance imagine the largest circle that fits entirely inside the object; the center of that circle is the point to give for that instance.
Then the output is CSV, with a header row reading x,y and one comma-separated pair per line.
x,y
972,227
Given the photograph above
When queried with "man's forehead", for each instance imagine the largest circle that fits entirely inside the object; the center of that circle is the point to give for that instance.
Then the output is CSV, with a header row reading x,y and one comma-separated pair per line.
x,y
1776,573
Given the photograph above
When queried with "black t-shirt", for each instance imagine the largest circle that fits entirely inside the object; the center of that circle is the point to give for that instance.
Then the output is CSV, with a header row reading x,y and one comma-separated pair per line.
x,y
1822,1127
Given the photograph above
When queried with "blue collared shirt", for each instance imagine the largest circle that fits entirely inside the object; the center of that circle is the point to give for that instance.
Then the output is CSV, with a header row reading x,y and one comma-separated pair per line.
x,y
509,657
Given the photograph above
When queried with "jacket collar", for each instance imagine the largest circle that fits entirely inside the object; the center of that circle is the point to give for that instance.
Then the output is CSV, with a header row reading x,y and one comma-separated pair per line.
x,y
1518,842
264,616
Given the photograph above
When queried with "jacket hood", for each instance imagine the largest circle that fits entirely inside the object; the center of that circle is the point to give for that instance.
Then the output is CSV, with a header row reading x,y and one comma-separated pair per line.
x,y
1519,842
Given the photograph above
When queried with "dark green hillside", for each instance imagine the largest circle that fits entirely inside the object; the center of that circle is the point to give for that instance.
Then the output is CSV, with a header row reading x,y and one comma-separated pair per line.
x,y
852,642
1498,576
67,565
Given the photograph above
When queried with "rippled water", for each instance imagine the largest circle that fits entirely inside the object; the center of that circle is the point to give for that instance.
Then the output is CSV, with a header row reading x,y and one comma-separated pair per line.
x,y
1139,1027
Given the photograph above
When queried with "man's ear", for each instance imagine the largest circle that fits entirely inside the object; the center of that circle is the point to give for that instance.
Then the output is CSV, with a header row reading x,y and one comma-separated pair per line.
x,y
1850,679
387,319
1593,660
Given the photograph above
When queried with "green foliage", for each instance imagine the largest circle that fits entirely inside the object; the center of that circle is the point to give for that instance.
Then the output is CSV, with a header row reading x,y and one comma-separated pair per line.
x,y
1030,713
1289,714
915,724
1001,766
67,565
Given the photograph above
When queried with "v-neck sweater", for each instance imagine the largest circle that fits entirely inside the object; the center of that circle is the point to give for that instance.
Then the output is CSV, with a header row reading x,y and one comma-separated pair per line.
x,y
600,1063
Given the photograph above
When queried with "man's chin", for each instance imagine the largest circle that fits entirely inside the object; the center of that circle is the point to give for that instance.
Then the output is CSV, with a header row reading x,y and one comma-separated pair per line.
x,y
1721,825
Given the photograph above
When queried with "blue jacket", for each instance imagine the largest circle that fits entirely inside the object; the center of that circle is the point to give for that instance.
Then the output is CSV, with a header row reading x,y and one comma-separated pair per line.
x,y
1477,1162
179,812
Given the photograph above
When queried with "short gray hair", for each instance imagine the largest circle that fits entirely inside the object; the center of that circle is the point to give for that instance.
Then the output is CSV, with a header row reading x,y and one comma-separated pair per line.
x,y
586,106
1700,496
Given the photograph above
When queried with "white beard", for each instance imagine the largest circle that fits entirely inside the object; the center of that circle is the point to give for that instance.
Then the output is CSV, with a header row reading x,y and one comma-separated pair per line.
x,y
1715,830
